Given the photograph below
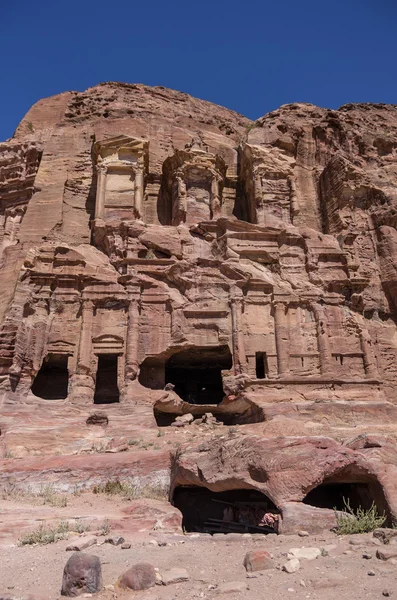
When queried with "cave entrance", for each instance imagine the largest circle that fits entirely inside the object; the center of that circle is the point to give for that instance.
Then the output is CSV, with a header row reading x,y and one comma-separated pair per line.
x,y
51,382
197,374
261,365
106,386
360,493
238,511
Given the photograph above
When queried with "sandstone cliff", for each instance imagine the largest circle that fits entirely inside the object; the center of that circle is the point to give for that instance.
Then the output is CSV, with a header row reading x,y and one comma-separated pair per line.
x,y
149,238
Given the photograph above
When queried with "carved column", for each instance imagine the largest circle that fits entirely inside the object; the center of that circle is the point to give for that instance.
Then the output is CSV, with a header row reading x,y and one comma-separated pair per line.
x,y
82,383
40,331
239,356
258,198
181,204
370,364
215,198
132,339
282,339
138,196
84,355
323,342
101,192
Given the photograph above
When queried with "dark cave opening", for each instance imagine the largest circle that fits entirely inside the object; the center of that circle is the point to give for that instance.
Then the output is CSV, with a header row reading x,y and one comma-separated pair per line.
x,y
106,385
238,511
51,382
197,374
333,493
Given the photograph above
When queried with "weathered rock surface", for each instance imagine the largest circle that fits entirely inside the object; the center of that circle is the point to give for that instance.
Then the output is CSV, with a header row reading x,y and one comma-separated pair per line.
x,y
141,576
258,560
170,260
82,574
79,544
174,575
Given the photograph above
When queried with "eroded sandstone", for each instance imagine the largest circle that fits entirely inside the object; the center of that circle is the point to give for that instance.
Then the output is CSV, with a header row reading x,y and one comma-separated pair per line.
x,y
163,257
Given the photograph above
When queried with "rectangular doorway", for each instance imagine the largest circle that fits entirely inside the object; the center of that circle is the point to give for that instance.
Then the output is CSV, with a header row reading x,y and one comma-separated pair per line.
x,y
106,385
261,366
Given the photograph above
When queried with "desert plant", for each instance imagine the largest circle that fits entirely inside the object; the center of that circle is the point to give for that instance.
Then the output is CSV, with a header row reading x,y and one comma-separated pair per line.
x,y
44,535
104,528
351,521
80,527
51,497
131,492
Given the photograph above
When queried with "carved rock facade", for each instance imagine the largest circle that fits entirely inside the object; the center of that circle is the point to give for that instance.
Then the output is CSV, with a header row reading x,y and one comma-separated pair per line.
x,y
148,238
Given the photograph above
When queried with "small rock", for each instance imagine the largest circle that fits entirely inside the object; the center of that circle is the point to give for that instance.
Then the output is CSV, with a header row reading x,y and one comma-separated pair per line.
x,y
367,556
175,575
109,587
82,573
385,534
183,420
232,587
303,533
154,542
371,573
305,553
355,542
258,560
291,566
141,576
302,583
387,593
159,579
126,546
386,554
115,540
82,543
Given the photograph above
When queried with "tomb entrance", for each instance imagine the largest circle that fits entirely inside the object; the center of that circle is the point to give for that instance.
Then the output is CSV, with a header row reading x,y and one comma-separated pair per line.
x,y
106,384
238,511
197,374
51,382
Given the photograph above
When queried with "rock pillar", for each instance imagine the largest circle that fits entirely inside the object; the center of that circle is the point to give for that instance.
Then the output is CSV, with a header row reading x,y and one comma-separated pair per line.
x,y
215,199
239,356
84,356
82,383
282,339
101,192
370,364
132,340
138,196
324,346
40,331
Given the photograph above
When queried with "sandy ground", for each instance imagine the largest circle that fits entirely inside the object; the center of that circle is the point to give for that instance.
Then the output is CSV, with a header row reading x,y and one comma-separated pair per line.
x,y
210,561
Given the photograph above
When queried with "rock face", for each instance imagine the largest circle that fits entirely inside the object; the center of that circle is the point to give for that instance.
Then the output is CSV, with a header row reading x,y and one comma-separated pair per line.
x,y
162,256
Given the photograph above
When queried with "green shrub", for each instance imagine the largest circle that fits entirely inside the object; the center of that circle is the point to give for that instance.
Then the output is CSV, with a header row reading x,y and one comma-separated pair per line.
x,y
351,521
51,497
44,535
128,491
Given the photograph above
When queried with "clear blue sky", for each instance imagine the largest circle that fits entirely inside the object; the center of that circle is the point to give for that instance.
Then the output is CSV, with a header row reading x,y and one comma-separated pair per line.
x,y
250,55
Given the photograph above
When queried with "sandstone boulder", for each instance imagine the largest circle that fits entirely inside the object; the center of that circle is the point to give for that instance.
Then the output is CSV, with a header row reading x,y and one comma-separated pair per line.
x,y
258,560
82,574
141,576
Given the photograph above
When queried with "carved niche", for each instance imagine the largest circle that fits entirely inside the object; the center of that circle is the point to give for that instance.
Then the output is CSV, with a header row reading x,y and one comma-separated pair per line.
x,y
122,164
269,185
194,180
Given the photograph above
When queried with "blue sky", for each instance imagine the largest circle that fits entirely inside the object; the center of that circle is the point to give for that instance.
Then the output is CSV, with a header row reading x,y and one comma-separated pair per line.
x,y
251,56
